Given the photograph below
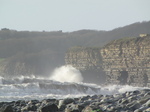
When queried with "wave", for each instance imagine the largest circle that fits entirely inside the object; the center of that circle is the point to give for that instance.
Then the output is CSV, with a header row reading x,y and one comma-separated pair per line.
x,y
66,73
35,88
16,89
70,85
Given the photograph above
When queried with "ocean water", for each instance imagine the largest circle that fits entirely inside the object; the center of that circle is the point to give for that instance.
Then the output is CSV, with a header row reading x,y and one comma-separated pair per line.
x,y
64,82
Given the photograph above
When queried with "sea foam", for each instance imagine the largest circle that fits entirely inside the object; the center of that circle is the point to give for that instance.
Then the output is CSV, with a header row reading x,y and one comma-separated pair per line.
x,y
65,81
66,74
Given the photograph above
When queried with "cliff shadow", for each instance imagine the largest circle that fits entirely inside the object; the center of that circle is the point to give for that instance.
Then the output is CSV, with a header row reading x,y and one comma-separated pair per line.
x,y
93,76
123,77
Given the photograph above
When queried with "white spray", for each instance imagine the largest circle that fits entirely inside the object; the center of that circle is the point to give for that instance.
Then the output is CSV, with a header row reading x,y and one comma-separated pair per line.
x,y
66,74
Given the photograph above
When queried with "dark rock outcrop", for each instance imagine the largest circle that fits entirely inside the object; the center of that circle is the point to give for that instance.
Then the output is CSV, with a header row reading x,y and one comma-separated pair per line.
x,y
49,108
6,108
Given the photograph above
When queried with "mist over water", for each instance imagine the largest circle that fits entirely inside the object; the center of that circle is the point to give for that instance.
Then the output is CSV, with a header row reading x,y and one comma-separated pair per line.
x,y
64,82
66,74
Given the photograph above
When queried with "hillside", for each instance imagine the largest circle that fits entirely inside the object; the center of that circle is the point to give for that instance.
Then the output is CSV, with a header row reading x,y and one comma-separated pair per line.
x,y
28,52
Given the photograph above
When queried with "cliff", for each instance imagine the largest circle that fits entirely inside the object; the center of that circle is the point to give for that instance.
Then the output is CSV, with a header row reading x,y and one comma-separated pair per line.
x,y
88,61
124,61
127,61
83,58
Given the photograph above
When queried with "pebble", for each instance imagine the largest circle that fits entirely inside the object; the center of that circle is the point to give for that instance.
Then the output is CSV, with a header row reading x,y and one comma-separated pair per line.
x,y
133,101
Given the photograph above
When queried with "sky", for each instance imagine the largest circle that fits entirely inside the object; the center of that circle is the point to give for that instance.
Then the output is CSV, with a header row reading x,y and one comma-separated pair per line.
x,y
71,15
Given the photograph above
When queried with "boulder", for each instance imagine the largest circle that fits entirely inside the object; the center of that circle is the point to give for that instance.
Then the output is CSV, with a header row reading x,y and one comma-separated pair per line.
x,y
49,108
6,108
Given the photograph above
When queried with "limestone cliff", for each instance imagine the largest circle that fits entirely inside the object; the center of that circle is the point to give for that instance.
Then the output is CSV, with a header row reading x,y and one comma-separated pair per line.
x,y
88,61
127,61
83,58
124,61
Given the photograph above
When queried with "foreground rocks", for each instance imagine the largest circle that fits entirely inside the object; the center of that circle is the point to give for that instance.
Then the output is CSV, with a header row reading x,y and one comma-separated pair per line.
x,y
135,101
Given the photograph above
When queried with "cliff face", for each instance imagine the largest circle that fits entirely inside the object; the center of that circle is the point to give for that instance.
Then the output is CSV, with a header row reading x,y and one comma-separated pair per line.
x,y
88,61
124,61
84,58
127,61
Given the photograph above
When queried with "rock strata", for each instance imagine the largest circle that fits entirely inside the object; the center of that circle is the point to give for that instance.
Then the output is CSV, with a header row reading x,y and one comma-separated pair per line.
x,y
88,61
84,58
133,101
123,61
127,61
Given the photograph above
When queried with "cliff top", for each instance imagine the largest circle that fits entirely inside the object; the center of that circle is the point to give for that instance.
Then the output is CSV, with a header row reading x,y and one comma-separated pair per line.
x,y
76,49
129,41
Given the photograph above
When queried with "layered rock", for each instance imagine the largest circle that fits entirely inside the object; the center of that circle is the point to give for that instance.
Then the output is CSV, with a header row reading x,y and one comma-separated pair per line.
x,y
88,61
127,61
84,58
124,61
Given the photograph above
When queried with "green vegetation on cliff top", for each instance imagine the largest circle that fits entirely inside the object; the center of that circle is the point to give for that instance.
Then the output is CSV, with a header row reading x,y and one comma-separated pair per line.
x,y
125,39
2,59
78,48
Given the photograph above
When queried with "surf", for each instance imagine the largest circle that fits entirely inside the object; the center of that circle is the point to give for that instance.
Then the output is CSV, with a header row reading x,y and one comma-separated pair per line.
x,y
63,82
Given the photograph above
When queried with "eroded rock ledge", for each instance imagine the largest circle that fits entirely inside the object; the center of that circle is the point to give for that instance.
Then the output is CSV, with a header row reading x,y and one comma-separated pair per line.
x,y
84,58
88,61
124,61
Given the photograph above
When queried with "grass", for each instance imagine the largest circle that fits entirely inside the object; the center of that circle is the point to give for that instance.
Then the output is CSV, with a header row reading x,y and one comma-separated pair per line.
x,y
75,49
2,59
125,39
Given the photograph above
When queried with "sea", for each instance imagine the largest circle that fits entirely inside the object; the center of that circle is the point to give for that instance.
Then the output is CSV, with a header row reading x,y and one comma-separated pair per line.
x,y
63,82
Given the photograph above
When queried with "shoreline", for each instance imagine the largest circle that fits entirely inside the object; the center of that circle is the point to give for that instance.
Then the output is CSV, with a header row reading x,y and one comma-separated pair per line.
x,y
132,101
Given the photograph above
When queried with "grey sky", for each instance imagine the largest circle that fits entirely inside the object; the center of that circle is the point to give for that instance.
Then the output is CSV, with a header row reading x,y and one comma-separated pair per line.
x,y
71,15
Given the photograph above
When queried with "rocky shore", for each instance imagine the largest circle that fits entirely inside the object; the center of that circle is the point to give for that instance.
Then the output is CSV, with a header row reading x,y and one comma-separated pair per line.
x,y
133,101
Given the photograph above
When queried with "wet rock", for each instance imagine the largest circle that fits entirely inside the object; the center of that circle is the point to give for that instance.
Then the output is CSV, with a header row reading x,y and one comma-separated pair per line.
x,y
62,103
84,98
47,101
147,110
29,107
135,106
91,109
68,100
148,103
136,101
74,108
143,100
49,108
87,109
6,108
141,109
